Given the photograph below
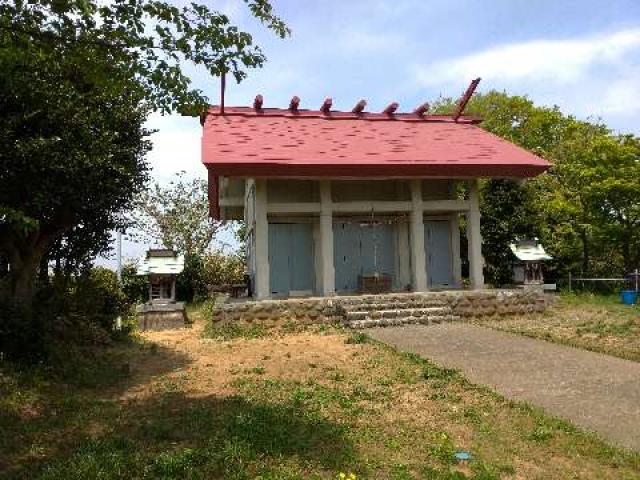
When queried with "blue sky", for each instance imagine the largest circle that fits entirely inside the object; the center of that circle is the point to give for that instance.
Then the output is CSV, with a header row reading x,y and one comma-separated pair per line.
x,y
582,55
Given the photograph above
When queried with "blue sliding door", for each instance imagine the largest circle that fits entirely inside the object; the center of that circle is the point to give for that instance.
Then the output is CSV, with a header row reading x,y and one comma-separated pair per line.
x,y
361,249
290,258
437,235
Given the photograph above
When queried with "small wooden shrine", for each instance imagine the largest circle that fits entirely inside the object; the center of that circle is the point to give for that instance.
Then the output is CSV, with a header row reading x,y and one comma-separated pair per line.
x,y
161,311
528,260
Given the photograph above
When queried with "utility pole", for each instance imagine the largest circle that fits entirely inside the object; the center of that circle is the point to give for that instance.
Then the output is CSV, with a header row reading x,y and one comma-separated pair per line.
x,y
119,255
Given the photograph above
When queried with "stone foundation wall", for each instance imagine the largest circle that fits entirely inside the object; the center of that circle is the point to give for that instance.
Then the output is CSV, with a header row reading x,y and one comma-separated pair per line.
x,y
463,304
306,311
487,303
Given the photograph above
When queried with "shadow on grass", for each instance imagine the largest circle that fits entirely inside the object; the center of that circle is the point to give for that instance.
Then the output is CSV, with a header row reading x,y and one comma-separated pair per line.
x,y
45,409
72,422
176,437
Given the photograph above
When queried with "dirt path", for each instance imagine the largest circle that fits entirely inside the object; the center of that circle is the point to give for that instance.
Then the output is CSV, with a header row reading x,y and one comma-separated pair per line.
x,y
597,392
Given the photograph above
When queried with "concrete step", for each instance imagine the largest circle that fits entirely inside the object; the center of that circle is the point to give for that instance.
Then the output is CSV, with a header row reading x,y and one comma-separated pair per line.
x,y
385,322
396,312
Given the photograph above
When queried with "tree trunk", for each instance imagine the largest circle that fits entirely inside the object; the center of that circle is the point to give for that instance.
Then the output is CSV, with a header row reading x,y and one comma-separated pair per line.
x,y
25,256
585,251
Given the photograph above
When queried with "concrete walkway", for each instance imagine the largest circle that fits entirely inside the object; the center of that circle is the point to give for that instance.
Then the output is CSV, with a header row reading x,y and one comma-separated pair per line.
x,y
596,392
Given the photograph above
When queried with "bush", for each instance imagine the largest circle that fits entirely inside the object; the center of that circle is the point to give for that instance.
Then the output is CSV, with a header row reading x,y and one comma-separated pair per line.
x,y
223,269
211,269
71,312
134,286
98,296
190,285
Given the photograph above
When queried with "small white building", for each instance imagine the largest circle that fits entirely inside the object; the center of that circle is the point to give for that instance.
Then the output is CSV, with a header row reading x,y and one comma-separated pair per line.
x,y
162,266
345,202
529,257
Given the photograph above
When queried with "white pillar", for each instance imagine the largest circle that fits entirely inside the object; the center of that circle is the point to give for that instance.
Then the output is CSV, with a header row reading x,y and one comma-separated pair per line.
x,y
474,239
418,259
262,288
326,240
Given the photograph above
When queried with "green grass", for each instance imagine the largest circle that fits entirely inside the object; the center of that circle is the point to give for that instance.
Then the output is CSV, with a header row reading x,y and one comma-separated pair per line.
x,y
585,320
291,406
231,331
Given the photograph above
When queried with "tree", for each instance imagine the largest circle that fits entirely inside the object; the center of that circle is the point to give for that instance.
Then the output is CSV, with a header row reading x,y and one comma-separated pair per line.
x,y
508,213
585,209
79,78
178,215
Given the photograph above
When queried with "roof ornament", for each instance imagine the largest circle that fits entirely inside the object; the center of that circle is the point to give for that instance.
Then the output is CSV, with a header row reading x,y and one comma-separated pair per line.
x,y
326,106
422,109
294,104
257,103
391,108
465,99
359,108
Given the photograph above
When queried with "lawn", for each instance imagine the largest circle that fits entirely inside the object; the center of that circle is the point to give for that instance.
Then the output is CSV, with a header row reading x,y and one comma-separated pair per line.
x,y
595,322
308,404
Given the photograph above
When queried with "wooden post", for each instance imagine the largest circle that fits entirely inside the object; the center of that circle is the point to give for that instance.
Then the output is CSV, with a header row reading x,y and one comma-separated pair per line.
x,y
359,107
465,99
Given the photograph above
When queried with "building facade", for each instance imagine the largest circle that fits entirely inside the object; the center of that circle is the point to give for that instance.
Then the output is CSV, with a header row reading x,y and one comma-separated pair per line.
x,y
345,202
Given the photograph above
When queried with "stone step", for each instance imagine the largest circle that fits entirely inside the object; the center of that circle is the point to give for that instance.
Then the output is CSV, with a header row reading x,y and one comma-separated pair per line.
x,y
394,305
396,312
385,322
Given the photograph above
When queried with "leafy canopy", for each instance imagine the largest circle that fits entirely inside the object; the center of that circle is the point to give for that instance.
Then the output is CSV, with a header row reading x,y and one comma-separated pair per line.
x,y
177,215
79,79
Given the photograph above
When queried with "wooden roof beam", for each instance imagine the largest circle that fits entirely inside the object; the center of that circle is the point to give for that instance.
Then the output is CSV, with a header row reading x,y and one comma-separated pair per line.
x,y
326,106
465,99
359,108
391,108
257,103
294,104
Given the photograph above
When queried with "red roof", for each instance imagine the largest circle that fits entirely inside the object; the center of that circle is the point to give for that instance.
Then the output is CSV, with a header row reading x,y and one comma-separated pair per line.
x,y
245,142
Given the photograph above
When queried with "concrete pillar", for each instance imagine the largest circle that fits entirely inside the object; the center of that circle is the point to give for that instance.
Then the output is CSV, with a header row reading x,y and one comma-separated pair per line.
x,y
474,239
262,287
418,259
454,222
326,240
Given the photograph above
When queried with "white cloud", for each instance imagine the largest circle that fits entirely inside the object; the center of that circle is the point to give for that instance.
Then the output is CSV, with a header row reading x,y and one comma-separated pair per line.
x,y
366,42
176,147
558,61
622,96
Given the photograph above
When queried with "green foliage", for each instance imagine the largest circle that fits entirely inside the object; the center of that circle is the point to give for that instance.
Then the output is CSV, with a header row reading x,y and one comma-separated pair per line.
x,y
79,79
135,287
508,213
177,215
211,269
585,210
190,284
73,312
223,268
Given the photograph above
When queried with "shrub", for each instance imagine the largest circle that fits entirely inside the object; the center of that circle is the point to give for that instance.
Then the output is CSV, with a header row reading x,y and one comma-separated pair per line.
x,y
71,312
190,284
223,269
134,286
203,271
